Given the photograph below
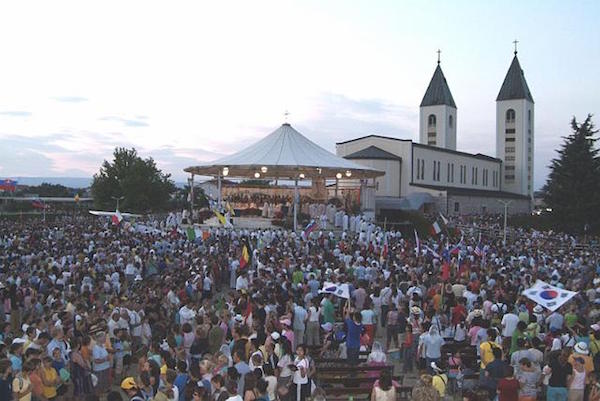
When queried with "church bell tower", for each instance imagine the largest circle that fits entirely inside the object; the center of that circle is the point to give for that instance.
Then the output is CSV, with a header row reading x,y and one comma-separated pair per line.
x,y
515,131
437,115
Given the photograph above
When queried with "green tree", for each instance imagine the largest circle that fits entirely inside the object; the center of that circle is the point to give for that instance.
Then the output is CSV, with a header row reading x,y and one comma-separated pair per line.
x,y
52,190
144,187
181,198
573,187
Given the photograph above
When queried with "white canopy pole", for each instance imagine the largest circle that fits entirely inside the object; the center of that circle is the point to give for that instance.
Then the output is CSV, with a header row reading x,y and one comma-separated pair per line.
x,y
219,190
295,205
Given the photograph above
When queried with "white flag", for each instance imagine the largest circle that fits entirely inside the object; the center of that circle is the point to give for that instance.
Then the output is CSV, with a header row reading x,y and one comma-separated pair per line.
x,y
549,296
339,290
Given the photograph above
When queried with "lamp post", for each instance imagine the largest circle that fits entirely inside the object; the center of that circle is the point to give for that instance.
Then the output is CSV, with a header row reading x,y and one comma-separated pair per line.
x,y
120,198
505,203
191,183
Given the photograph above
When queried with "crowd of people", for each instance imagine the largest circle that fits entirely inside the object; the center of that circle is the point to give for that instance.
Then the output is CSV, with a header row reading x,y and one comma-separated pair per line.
x,y
90,310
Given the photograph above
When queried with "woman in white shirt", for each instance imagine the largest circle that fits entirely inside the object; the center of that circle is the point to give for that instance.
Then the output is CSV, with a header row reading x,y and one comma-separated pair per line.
x,y
300,379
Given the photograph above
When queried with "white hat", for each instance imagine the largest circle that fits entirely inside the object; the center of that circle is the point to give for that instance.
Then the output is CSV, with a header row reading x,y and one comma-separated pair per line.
x,y
538,309
18,340
581,348
238,318
138,278
435,367
327,326
275,335
415,310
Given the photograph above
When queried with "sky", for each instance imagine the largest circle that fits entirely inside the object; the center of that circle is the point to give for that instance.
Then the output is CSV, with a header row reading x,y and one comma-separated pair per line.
x,y
189,81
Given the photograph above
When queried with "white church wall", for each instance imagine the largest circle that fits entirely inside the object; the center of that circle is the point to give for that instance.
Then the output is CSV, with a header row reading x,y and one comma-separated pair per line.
x,y
450,164
463,205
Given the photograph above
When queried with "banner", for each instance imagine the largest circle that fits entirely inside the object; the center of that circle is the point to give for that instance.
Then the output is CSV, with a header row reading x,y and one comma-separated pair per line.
x,y
339,290
548,296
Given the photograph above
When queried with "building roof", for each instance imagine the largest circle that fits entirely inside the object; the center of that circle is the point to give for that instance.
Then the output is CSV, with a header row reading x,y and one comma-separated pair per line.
x,y
373,152
472,192
514,85
285,153
438,92
373,136
458,152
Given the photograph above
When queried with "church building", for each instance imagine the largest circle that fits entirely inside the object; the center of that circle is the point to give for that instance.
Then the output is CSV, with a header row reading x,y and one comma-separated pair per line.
x,y
433,175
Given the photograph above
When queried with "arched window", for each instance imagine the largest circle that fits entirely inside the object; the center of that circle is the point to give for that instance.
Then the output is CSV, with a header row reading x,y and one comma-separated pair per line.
x,y
450,121
510,116
431,120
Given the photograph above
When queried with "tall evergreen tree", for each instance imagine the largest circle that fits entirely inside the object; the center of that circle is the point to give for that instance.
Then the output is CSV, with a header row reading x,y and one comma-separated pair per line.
x,y
573,187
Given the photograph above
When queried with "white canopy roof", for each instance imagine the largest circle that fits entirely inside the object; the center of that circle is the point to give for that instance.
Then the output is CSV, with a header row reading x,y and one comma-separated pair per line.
x,y
285,153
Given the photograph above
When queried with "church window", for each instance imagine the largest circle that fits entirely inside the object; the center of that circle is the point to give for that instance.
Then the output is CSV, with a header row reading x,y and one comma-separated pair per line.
x,y
448,172
456,207
510,131
434,169
418,169
510,116
509,177
431,135
450,121
452,172
510,139
431,122
529,117
510,149
510,158
422,169
432,143
509,168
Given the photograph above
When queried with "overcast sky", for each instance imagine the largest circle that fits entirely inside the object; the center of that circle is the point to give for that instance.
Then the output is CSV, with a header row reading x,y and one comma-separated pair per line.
x,y
186,82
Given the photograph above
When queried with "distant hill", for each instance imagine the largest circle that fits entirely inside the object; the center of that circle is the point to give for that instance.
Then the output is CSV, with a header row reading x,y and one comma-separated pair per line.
x,y
69,182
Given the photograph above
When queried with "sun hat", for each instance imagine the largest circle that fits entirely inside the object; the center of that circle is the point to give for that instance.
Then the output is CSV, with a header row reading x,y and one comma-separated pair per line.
x,y
415,310
128,383
581,348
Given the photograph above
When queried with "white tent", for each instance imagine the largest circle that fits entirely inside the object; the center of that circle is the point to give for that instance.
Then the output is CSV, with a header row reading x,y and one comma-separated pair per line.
x,y
285,154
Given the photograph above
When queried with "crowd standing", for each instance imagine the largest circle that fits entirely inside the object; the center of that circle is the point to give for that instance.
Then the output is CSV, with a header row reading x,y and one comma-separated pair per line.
x,y
87,307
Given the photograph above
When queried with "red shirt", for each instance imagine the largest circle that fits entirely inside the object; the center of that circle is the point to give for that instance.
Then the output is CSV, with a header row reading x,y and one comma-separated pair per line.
x,y
459,313
508,390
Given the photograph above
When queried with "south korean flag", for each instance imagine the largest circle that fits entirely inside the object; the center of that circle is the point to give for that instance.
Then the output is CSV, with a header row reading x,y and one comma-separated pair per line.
x,y
548,296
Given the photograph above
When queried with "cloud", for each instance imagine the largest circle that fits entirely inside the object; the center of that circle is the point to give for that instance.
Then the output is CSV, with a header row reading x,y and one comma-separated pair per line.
x,y
126,121
340,118
70,99
16,113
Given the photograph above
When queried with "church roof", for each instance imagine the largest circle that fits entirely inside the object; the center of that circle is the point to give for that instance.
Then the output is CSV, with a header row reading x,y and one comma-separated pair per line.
x,y
373,152
438,92
514,85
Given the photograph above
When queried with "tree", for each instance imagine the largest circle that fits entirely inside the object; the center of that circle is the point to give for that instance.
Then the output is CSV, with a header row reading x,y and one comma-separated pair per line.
x,y
181,198
52,190
144,187
573,187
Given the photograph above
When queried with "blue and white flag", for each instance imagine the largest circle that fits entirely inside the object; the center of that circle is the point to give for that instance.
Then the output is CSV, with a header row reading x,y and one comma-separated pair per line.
x,y
339,290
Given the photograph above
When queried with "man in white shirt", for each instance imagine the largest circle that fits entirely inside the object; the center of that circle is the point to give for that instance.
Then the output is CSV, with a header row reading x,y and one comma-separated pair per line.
x,y
509,324
242,282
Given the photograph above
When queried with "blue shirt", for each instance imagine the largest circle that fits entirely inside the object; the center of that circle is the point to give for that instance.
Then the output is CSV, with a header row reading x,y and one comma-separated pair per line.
x,y
353,336
180,382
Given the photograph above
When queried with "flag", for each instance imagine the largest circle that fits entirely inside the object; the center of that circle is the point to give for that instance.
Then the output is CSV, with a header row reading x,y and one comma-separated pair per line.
x,y
205,235
435,228
456,249
478,248
384,248
310,227
245,258
444,219
548,296
8,185
417,243
76,198
117,218
191,233
339,290
38,204
221,218
432,252
230,209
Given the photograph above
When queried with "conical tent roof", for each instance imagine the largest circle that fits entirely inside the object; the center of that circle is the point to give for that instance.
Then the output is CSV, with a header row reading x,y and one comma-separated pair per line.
x,y
285,153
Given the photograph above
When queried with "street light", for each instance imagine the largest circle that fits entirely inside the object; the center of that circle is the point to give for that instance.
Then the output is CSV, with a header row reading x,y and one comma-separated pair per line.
x,y
505,203
120,198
